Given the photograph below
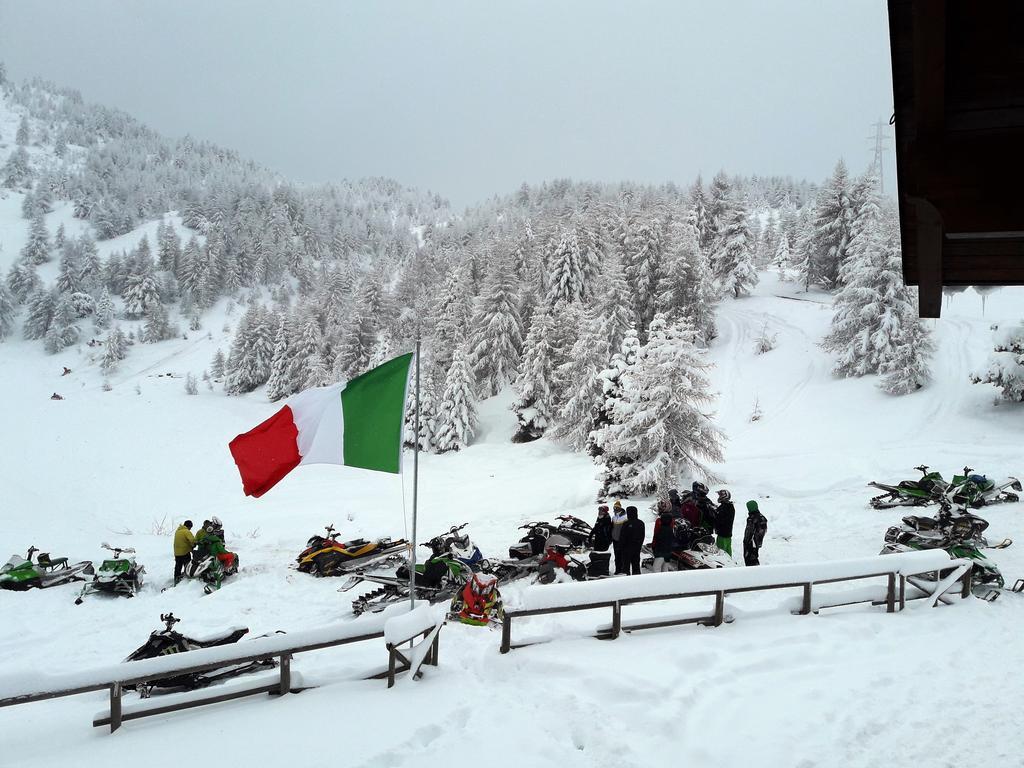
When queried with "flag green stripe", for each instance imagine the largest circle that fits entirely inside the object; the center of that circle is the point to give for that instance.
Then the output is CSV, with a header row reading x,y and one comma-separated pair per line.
x,y
374,409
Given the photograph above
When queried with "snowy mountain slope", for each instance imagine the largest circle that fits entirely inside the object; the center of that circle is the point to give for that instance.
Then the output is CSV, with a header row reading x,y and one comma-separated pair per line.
x,y
126,467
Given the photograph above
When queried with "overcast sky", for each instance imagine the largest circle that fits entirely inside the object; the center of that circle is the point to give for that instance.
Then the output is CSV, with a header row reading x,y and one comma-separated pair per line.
x,y
472,98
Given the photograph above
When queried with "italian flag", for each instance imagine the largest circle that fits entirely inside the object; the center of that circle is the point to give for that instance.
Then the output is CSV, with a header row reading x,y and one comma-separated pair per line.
x,y
356,424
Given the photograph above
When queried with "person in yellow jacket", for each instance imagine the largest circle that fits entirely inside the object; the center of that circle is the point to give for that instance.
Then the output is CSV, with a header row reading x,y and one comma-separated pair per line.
x,y
183,543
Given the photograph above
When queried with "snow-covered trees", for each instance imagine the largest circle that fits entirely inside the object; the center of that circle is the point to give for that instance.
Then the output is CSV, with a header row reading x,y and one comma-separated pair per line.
x,y
534,405
687,291
831,234
22,136
37,249
248,363
17,171
115,350
876,328
23,280
659,430
498,335
565,269
1005,365
456,414
41,305
6,312
158,322
62,331
733,255
584,386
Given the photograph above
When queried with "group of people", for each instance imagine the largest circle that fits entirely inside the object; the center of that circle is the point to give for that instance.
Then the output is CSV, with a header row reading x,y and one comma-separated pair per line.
x,y
623,530
208,541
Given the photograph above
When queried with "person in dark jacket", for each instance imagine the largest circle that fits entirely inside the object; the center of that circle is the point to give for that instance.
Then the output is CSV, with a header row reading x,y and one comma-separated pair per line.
x,y
664,542
676,504
753,536
631,540
705,507
601,533
724,518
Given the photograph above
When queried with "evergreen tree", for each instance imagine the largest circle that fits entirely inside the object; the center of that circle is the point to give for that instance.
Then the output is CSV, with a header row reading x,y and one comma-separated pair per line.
x,y
643,263
718,210
69,278
907,369
139,293
451,320
831,232
456,415
116,349
62,332
734,268
17,171
782,257
41,306
582,372
217,366
279,384
615,305
687,292
61,237
697,216
497,332
565,269
359,338
23,280
659,431
7,311
21,138
534,406
1005,365
89,263
37,249
428,411
248,364
158,324
104,311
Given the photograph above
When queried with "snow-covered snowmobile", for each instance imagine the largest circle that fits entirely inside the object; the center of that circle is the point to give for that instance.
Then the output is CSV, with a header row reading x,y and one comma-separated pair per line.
x,y
961,535
557,564
163,642
968,488
478,603
117,575
212,563
21,573
443,574
575,530
327,556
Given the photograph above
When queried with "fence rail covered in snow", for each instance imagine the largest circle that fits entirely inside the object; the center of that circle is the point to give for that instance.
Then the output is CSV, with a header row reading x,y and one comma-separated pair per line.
x,y
391,625
898,570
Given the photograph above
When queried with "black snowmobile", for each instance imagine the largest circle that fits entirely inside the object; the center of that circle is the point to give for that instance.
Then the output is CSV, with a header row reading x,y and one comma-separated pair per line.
x,y
163,642
695,550
532,544
117,575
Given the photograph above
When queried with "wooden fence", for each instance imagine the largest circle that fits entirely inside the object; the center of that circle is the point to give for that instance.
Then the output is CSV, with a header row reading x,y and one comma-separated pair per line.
x,y
898,570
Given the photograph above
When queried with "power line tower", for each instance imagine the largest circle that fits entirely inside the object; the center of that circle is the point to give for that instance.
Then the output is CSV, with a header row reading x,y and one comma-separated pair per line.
x,y
880,140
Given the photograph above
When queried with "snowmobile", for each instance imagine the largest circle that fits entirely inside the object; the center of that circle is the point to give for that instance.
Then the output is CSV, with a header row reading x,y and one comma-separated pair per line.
x,y
210,567
696,550
21,573
478,603
442,575
968,488
557,564
163,642
961,535
117,575
532,544
575,530
326,556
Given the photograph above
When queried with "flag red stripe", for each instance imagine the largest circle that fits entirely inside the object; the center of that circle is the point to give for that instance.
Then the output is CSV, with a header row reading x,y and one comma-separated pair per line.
x,y
266,453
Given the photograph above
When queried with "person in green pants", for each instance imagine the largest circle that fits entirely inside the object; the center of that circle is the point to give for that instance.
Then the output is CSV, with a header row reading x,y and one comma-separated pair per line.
x,y
724,518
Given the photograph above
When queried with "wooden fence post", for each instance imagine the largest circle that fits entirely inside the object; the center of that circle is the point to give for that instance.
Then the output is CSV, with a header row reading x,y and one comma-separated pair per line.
x,y
391,665
890,598
433,649
966,589
616,619
719,609
506,634
806,608
285,685
115,707
903,591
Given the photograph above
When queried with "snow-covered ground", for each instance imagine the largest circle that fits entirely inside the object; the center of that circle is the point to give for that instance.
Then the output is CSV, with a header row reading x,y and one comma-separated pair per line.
x,y
857,687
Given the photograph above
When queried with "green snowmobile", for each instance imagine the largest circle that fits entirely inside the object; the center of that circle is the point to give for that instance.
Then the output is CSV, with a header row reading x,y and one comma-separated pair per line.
x,y
118,575
968,488
21,573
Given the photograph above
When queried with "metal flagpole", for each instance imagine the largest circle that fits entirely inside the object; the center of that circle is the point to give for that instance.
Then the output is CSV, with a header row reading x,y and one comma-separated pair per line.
x,y
415,477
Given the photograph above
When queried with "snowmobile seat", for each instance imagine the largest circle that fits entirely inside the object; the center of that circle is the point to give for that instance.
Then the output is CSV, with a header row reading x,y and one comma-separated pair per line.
x,y
44,561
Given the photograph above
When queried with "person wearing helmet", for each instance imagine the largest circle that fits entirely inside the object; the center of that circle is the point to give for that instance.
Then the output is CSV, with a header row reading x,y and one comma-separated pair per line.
x,y
601,533
478,603
676,504
724,518
705,507
618,520
554,565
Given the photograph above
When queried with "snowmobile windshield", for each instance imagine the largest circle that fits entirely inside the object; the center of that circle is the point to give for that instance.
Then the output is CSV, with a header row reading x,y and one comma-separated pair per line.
x,y
15,562
114,565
